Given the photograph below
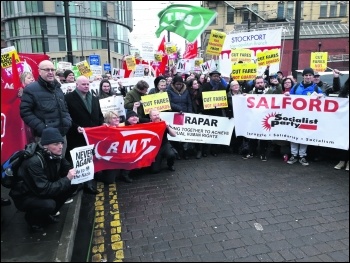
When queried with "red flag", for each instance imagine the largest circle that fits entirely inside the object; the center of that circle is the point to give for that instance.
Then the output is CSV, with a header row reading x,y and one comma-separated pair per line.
x,y
15,74
160,68
126,147
191,50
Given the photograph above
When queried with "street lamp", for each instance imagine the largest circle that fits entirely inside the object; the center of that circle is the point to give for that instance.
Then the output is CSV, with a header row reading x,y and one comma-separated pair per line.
x,y
81,33
319,46
108,47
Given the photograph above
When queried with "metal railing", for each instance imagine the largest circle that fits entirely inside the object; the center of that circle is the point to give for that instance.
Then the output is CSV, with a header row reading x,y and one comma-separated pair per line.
x,y
340,57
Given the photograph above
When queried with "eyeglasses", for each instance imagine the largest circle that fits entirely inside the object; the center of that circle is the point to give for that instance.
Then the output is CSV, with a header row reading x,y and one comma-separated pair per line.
x,y
48,69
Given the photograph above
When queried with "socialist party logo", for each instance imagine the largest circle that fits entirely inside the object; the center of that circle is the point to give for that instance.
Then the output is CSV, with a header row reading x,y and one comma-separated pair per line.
x,y
277,119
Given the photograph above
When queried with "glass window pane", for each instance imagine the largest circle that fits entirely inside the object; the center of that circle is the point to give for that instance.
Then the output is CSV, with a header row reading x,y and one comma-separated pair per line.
x,y
230,14
343,9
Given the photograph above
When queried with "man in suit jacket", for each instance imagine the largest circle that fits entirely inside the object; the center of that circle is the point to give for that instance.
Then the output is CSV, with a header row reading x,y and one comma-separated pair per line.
x,y
85,110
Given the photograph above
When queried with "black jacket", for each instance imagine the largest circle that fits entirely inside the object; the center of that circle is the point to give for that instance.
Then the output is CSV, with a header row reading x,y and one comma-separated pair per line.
x,y
41,178
81,118
43,105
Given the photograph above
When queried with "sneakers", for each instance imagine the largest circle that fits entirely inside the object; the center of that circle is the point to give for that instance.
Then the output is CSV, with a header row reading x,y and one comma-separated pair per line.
x,y
292,160
68,201
303,161
341,165
263,158
57,214
247,156
347,166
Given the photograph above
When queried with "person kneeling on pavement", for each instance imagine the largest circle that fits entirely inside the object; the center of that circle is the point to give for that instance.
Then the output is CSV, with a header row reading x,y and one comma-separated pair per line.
x,y
45,182
166,150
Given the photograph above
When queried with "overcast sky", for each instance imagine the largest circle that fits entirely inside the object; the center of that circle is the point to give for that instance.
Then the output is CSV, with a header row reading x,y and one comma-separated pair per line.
x,y
146,23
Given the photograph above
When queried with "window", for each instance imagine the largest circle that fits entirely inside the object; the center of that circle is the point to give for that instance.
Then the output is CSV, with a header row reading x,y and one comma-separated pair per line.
x,y
343,8
96,8
37,46
35,26
34,6
255,8
290,10
302,10
75,44
96,44
60,26
43,24
323,9
280,10
95,28
230,15
9,7
58,6
116,47
73,26
17,44
62,44
14,28
245,14
214,21
333,9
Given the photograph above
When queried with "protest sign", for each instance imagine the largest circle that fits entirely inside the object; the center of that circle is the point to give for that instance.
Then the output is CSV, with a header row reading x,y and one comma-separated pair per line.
x,y
214,99
82,158
199,128
160,101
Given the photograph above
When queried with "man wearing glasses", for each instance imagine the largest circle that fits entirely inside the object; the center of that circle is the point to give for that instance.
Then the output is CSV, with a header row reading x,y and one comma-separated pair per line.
x,y
43,104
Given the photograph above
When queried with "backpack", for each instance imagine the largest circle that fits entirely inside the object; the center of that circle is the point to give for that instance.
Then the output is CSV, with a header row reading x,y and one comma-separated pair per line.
x,y
9,169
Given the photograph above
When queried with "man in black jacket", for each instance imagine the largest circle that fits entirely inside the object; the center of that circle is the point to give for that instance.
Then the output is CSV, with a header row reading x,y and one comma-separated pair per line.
x,y
85,110
43,105
45,182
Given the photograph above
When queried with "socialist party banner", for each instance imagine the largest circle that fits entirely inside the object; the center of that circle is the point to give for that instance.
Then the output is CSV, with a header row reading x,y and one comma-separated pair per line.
x,y
127,147
301,119
199,128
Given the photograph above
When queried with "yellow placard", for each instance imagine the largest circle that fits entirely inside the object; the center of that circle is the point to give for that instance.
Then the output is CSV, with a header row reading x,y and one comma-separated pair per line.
x,y
216,41
244,71
84,68
158,56
272,56
159,101
6,56
170,48
318,61
261,59
130,62
198,62
214,99
241,54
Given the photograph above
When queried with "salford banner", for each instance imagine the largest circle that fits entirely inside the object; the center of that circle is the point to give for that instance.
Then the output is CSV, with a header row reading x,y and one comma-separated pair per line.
x,y
300,119
199,128
126,147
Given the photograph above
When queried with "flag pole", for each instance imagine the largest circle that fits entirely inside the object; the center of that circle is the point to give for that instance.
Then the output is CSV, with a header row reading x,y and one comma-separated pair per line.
x,y
168,55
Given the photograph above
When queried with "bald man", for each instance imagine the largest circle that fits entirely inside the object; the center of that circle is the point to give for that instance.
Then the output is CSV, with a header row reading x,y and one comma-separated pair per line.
x,y
43,104
85,111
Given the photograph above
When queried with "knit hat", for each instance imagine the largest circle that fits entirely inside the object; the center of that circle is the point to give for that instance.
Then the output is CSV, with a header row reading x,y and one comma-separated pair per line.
x,y
51,135
157,79
214,72
178,79
308,71
131,114
67,72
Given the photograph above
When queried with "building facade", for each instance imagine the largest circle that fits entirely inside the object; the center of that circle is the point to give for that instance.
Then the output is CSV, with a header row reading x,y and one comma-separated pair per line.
x,y
39,27
324,26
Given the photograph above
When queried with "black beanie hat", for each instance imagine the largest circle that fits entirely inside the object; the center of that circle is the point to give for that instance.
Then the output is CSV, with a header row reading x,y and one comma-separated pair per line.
x,y
67,72
130,114
178,79
157,79
308,71
51,135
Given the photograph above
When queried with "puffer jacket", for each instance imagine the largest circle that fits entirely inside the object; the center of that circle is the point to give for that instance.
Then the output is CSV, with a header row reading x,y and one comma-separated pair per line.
x,y
41,178
43,105
180,100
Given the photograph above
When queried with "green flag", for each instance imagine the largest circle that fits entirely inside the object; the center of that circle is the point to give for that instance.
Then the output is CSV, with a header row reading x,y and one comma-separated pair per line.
x,y
185,20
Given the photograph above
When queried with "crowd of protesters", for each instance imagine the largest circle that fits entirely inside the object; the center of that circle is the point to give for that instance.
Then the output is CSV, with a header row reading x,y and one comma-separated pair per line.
x,y
69,113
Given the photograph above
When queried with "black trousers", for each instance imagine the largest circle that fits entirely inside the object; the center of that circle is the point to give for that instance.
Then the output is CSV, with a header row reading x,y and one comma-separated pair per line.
x,y
165,151
253,145
38,209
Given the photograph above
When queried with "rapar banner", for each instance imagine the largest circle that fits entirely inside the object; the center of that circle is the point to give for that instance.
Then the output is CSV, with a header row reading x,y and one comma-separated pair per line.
x,y
127,147
301,119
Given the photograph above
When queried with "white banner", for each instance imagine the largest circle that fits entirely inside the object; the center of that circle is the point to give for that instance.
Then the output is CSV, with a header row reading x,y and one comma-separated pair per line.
x,y
82,158
147,51
184,65
257,41
301,119
118,73
62,65
208,66
113,103
199,128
